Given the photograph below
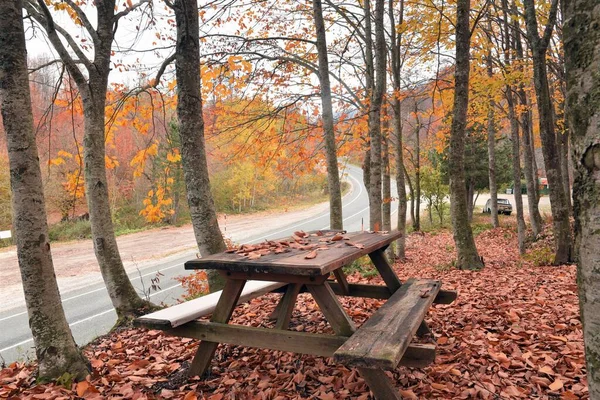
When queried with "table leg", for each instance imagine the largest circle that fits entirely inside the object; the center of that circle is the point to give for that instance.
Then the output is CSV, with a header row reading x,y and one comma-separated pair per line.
x,y
385,270
380,384
286,305
332,309
342,325
227,302
340,277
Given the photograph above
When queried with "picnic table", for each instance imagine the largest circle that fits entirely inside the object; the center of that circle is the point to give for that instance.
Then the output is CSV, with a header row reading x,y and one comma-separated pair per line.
x,y
301,263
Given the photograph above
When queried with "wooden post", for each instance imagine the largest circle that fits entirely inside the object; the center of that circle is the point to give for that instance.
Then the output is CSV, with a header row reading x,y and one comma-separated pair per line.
x,y
385,270
227,302
286,305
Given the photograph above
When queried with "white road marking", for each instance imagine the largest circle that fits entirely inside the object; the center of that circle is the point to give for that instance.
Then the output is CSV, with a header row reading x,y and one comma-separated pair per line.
x,y
87,319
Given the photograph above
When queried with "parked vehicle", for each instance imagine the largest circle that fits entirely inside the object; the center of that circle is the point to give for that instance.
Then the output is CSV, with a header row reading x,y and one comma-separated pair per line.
x,y
504,206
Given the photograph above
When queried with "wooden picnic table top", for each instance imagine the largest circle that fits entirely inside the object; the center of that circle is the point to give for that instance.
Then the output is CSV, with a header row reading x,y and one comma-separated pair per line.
x,y
289,255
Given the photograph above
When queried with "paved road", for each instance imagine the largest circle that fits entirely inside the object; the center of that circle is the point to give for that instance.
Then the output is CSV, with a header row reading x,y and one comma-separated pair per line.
x,y
90,313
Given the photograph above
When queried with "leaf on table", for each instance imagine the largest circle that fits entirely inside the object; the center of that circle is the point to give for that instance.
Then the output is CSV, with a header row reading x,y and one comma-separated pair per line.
x,y
253,255
337,237
301,234
311,255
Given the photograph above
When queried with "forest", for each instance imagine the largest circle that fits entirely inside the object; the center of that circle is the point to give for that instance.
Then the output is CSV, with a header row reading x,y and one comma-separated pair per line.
x,y
119,117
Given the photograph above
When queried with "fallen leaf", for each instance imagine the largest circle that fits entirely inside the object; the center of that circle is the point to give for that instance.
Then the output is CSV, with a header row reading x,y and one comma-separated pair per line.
x,y
311,255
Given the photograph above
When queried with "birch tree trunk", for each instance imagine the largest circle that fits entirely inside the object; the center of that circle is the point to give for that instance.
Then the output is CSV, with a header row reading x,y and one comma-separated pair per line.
x,y
378,79
193,153
417,183
466,252
386,189
558,200
535,218
582,62
395,43
93,89
491,141
55,348
333,174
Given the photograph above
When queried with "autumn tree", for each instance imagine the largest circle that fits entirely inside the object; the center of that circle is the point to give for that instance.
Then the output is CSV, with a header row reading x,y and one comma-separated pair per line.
x,y
91,78
333,176
396,61
582,59
191,132
467,256
558,197
55,347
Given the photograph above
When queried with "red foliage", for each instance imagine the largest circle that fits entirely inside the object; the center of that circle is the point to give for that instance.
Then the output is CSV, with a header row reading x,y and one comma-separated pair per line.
x,y
513,332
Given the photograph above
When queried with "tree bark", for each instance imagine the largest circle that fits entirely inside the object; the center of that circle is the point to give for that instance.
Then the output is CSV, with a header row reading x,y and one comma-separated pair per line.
x,y
93,89
375,104
582,62
386,190
516,167
333,174
417,183
491,141
55,348
535,218
466,252
395,43
193,154
514,131
558,200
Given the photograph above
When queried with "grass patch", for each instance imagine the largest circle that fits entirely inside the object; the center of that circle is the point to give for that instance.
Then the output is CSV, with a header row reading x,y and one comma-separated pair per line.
x,y
70,230
363,266
540,256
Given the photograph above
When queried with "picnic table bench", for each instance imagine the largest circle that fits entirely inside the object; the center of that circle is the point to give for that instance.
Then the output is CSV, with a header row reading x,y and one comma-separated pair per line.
x,y
305,262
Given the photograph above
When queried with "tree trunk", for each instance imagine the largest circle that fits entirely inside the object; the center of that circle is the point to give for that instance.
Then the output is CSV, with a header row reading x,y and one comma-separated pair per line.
x,y
396,41
516,167
386,207
417,220
467,256
514,131
535,219
55,348
333,174
93,89
374,118
412,195
193,153
582,62
470,196
491,141
564,166
558,200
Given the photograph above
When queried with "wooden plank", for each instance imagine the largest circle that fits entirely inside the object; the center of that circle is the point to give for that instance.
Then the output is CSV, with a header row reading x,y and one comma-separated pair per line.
x,y
417,355
340,277
274,339
385,270
222,313
362,290
190,310
266,276
383,338
294,263
287,305
332,309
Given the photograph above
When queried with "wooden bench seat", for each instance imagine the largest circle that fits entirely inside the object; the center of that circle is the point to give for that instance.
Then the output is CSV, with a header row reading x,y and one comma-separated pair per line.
x,y
382,340
180,314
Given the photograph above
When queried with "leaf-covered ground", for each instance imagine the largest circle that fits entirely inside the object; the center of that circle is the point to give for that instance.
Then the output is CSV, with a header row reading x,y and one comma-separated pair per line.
x,y
513,332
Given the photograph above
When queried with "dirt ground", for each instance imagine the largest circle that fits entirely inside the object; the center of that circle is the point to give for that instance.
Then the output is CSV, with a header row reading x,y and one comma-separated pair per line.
x,y
76,266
